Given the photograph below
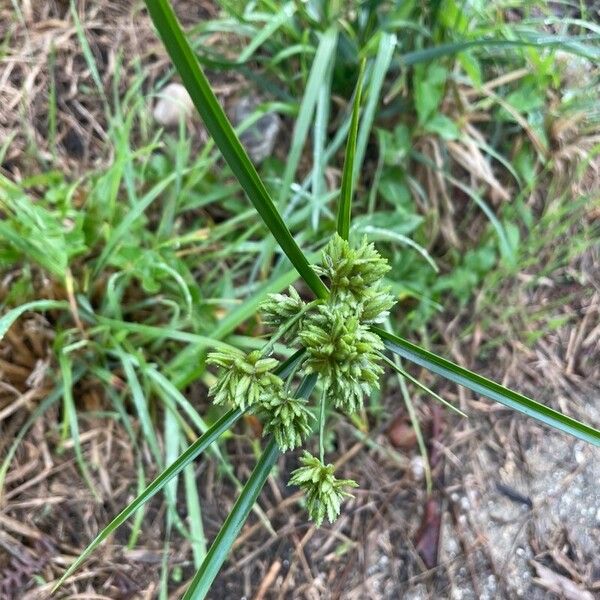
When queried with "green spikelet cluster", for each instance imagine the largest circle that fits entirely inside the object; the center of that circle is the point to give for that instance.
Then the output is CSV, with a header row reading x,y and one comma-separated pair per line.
x,y
287,418
339,347
342,351
335,333
324,493
354,276
277,309
247,379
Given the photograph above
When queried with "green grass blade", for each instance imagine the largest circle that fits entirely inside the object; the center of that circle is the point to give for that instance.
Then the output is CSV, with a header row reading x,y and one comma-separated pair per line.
x,y
192,501
486,387
136,526
284,14
222,425
567,43
140,403
383,60
202,443
318,185
225,138
172,441
124,227
325,54
70,418
233,524
188,364
12,315
87,52
395,364
153,332
379,233
345,208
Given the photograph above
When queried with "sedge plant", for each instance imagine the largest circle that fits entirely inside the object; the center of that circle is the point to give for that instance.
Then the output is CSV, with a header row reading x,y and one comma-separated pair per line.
x,y
337,346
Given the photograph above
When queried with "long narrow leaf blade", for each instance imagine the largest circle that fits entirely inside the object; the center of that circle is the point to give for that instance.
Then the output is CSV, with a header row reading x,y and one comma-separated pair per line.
x,y
12,315
380,68
323,58
233,524
486,387
201,444
345,208
220,427
225,138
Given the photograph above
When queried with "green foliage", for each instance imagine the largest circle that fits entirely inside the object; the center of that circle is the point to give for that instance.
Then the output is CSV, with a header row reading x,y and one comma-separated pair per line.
x,y
324,493
429,83
163,241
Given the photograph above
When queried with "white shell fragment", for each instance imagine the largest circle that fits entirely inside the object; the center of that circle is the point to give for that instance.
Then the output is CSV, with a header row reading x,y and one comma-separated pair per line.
x,y
174,103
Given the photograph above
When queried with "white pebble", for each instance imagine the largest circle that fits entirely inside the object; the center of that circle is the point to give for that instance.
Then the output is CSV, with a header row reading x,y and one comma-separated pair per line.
x,y
173,103
417,468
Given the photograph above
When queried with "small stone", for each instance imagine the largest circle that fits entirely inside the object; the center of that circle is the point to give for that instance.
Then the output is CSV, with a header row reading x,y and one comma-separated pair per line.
x,y
174,103
260,137
417,468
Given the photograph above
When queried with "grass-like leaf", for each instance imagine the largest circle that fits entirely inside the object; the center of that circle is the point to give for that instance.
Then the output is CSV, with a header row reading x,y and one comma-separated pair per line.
x,y
233,524
571,44
201,444
220,427
12,315
345,208
486,387
377,74
323,58
225,138
65,365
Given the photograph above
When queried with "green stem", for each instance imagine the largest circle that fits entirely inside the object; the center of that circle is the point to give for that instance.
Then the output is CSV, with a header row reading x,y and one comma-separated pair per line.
x,y
290,379
322,428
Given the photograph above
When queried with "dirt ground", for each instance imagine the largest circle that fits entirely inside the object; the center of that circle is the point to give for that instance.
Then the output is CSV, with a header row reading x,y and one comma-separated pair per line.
x,y
515,508
518,505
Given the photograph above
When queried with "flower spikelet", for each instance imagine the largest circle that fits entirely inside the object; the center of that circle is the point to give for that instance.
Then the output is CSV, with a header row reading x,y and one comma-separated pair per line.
x,y
246,380
344,353
324,493
277,309
351,269
287,418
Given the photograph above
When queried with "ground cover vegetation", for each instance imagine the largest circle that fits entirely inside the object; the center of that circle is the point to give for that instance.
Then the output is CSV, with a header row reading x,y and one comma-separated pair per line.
x,y
460,138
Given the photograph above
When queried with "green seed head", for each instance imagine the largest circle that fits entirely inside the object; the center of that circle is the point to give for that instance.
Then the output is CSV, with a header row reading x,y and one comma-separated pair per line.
x,y
324,493
287,418
246,379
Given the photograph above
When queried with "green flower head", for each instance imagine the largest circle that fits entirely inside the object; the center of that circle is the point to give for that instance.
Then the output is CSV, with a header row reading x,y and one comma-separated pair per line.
x,y
344,353
277,309
349,269
287,418
247,379
324,493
